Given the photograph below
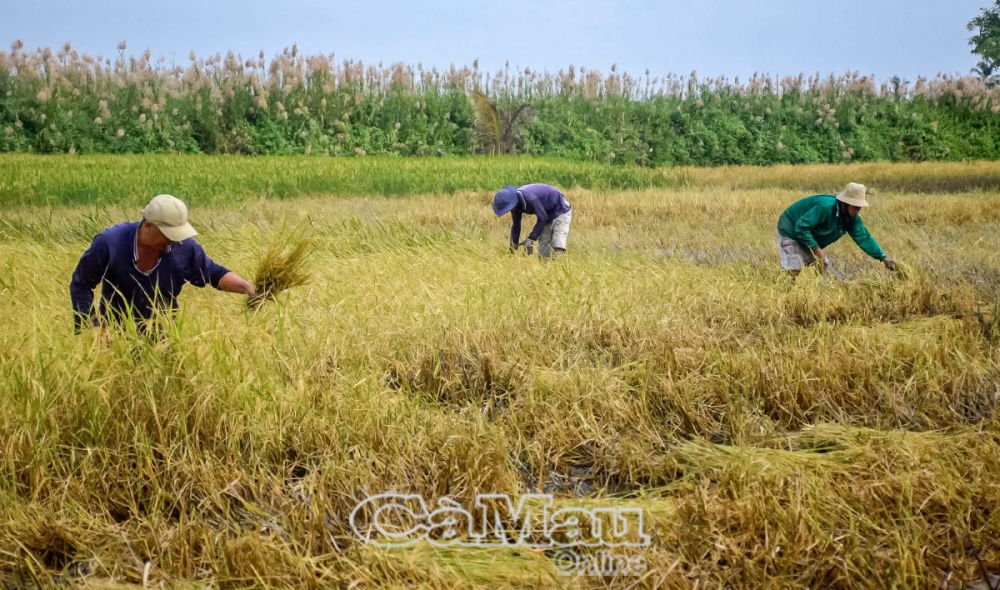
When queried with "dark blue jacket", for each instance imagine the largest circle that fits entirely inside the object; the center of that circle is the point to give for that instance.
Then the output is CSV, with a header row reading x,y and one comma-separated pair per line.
x,y
541,200
111,260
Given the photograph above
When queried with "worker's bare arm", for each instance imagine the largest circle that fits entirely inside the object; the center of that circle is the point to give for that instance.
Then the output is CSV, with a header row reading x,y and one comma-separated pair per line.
x,y
234,283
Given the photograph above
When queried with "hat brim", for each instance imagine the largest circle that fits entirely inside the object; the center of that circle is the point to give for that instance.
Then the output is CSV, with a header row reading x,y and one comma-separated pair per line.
x,y
505,210
856,202
507,192
177,233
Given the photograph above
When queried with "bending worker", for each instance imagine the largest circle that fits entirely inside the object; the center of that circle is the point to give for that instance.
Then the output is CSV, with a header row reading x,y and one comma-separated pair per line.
x,y
813,223
544,202
142,266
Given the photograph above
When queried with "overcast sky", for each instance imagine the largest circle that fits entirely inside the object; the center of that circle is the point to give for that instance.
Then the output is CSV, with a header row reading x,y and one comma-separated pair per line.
x,y
882,37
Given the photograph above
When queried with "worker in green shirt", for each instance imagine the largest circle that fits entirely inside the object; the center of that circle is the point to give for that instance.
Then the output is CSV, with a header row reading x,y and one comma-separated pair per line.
x,y
813,223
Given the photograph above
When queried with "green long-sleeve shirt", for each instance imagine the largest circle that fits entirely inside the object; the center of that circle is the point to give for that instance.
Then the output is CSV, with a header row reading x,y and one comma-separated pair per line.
x,y
814,222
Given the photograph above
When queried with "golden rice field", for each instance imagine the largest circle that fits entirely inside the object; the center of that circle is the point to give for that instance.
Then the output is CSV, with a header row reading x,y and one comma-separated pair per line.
x,y
835,432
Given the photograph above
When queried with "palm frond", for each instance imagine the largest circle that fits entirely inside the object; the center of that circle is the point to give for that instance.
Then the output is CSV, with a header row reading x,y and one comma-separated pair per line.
x,y
513,119
488,121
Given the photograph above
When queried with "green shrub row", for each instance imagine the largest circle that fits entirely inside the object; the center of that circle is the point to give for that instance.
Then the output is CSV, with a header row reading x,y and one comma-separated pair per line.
x,y
70,104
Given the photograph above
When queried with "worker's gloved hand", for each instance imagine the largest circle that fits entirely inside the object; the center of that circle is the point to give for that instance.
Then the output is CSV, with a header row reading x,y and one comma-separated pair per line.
x,y
529,246
889,263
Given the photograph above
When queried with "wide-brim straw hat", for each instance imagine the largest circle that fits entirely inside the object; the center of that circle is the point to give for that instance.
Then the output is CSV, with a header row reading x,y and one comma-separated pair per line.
x,y
854,194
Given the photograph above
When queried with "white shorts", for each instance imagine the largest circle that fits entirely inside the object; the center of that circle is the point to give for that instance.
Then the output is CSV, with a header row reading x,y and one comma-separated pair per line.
x,y
555,234
794,255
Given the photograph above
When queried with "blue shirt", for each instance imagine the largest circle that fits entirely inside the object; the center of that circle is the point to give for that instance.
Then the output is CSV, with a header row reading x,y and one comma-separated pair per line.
x,y
112,261
541,200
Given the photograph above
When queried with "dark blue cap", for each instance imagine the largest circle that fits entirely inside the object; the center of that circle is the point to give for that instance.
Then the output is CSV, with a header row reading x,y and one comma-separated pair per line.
x,y
505,200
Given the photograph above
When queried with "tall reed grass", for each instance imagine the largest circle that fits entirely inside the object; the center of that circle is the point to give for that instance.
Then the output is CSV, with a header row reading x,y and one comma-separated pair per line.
x,y
65,102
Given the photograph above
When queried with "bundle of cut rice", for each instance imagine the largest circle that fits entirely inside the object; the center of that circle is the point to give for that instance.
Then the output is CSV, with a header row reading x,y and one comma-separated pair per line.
x,y
904,271
280,268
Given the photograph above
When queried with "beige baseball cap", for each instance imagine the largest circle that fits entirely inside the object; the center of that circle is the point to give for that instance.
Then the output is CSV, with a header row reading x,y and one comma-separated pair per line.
x,y
854,194
170,215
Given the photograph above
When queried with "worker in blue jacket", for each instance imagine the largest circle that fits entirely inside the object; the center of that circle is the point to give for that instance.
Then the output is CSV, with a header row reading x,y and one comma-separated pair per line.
x,y
142,266
548,205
